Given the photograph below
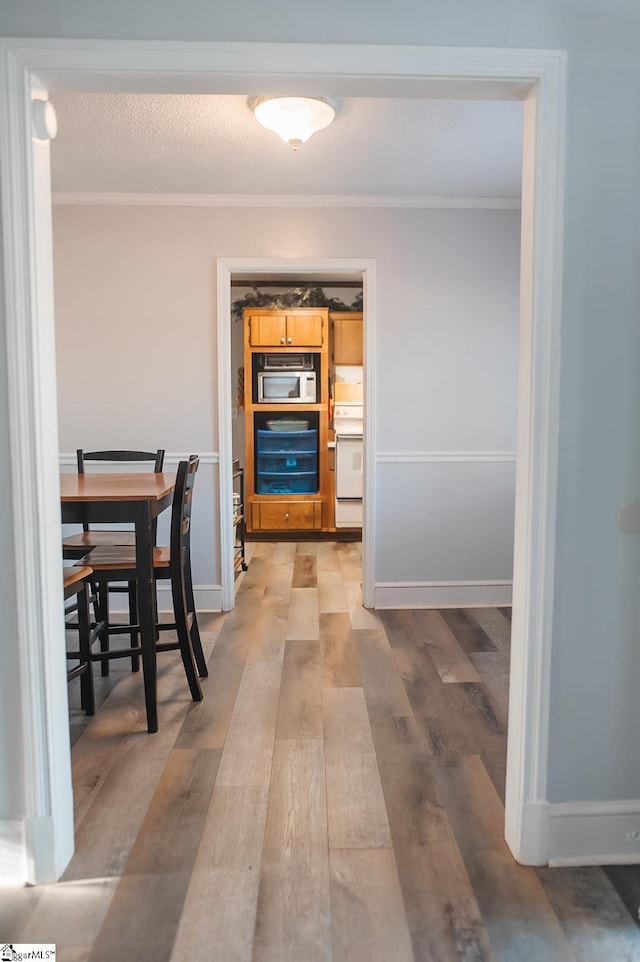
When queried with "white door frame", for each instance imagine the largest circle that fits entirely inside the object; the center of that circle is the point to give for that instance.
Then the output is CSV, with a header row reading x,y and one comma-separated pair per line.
x,y
303,266
535,77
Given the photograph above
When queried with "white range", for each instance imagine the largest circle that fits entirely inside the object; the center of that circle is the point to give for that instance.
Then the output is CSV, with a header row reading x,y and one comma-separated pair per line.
x,y
348,421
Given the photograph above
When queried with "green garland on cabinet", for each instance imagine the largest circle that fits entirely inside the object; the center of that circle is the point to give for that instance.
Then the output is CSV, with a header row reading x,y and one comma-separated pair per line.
x,y
296,297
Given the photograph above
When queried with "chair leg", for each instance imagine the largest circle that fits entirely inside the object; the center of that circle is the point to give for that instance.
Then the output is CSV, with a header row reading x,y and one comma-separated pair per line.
x,y
94,587
133,620
87,698
184,637
103,617
196,642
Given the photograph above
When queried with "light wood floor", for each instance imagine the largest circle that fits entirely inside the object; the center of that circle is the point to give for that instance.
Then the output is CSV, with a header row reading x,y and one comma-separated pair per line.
x,y
336,796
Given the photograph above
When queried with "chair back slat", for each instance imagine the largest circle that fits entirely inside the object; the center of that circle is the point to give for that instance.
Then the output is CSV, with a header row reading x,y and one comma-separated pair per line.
x,y
119,456
180,539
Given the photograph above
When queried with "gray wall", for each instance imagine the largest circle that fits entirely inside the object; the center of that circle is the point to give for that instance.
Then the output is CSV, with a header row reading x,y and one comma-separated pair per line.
x,y
596,657
447,284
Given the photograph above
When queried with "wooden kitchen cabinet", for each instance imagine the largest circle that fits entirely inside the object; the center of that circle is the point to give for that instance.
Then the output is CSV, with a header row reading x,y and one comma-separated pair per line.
x,y
302,327
282,497
347,337
286,475
287,515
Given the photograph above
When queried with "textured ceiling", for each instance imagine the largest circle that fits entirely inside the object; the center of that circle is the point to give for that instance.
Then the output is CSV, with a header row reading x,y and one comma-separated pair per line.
x,y
185,144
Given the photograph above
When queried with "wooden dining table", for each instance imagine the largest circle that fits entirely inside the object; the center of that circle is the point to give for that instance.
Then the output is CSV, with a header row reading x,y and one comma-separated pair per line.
x,y
127,498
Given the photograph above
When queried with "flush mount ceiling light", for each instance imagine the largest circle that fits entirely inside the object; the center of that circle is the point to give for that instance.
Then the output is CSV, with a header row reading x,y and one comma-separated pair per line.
x,y
295,119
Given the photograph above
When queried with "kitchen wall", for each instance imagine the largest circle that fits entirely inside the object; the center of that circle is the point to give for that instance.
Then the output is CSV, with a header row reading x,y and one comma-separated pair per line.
x,y
447,283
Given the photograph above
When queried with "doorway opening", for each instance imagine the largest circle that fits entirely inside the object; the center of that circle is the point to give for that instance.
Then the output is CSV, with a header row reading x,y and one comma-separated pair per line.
x,y
318,510
536,78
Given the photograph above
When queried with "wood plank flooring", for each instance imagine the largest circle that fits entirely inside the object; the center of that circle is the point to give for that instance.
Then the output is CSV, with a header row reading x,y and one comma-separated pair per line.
x,y
337,796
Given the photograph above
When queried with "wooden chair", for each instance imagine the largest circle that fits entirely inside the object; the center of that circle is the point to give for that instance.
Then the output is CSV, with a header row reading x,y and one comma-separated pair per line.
x,y
91,538
75,583
172,563
78,545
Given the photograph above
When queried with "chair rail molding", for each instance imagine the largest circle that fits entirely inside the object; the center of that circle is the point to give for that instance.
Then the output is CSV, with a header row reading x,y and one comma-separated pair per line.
x,y
535,77
445,457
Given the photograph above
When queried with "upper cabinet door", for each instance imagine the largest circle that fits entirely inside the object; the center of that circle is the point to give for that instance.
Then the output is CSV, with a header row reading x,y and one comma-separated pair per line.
x,y
304,330
347,332
286,330
267,330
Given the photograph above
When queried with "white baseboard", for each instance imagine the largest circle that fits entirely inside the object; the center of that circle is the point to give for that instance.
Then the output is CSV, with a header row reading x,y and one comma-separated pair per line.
x,y
594,833
529,845
13,854
207,598
442,594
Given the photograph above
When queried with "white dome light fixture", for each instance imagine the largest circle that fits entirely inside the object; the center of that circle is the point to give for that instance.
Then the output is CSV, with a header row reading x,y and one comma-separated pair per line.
x,y
294,119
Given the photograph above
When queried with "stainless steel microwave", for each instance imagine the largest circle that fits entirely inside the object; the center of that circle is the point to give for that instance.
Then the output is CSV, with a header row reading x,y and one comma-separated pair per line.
x,y
287,387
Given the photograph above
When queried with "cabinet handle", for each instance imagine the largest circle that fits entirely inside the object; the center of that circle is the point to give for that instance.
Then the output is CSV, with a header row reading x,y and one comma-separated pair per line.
x,y
282,340
286,516
289,339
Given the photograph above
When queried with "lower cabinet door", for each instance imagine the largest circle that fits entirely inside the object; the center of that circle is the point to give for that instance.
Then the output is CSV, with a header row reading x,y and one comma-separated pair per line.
x,y
284,515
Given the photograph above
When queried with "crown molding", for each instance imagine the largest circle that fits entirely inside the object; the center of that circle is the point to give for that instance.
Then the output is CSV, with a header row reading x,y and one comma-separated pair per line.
x,y
97,199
